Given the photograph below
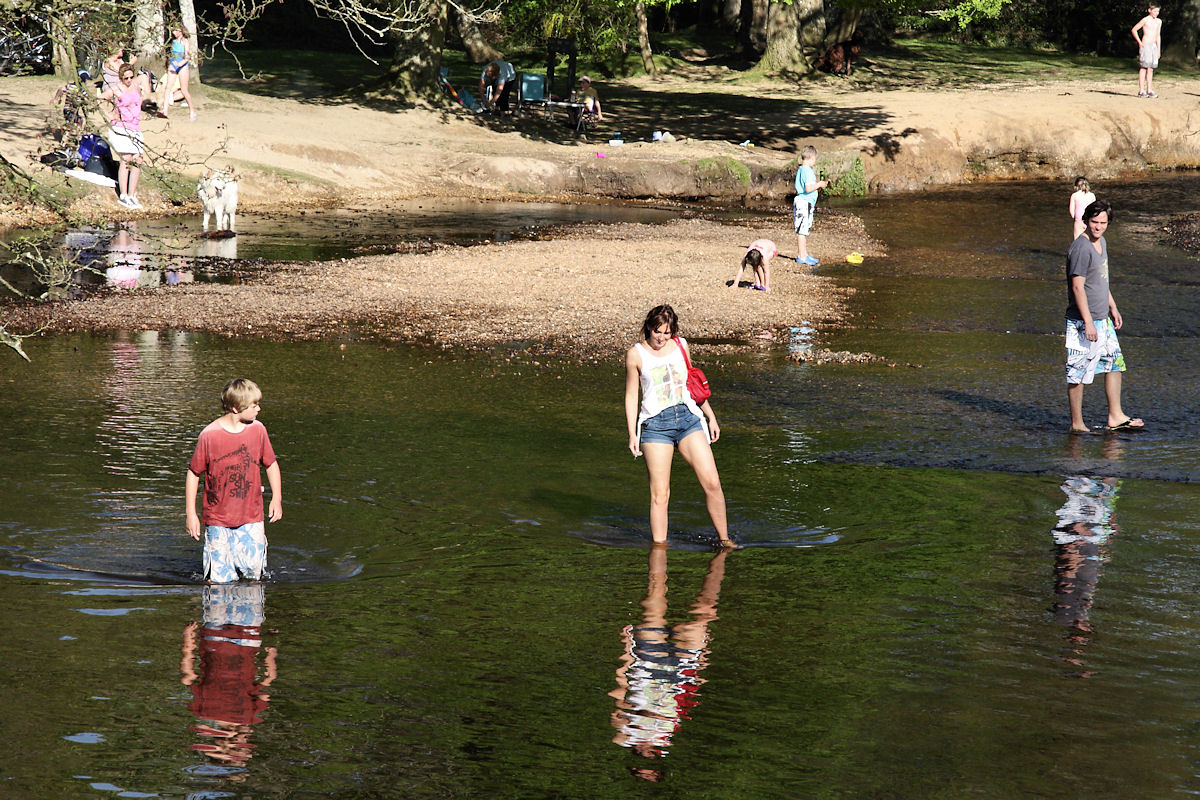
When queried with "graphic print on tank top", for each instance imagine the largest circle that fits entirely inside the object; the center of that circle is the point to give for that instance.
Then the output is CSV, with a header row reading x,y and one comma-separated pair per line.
x,y
669,383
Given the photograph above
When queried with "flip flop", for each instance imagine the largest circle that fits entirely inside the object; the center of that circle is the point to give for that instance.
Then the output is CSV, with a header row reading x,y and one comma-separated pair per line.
x,y
1127,425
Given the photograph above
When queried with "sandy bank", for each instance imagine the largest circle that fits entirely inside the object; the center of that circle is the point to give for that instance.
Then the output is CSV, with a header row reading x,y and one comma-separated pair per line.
x,y
295,151
582,296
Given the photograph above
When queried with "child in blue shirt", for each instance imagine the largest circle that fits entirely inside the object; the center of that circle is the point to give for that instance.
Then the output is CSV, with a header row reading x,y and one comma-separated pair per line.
x,y
805,203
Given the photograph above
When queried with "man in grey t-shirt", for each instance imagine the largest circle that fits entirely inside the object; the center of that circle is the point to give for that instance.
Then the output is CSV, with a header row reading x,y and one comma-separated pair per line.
x,y
1092,323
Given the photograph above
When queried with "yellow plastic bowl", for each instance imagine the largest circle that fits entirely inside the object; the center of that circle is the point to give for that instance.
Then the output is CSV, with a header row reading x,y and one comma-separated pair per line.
x,y
855,258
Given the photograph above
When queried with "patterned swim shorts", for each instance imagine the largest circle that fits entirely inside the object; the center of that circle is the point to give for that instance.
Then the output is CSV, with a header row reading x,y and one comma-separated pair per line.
x,y
230,553
802,216
1085,359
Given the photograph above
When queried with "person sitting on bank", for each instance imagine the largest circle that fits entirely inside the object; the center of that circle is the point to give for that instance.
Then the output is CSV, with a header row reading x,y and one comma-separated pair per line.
x,y
589,98
499,76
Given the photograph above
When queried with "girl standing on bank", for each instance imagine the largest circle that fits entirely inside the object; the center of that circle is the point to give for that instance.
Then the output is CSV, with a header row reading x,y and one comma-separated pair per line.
x,y
125,131
177,73
667,418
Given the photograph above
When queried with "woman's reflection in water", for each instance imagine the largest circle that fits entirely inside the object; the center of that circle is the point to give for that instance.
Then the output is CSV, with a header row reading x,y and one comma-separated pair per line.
x,y
659,678
227,697
1085,524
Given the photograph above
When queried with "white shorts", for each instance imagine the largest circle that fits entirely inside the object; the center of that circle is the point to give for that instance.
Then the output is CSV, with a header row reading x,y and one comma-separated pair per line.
x,y
1148,56
125,141
802,215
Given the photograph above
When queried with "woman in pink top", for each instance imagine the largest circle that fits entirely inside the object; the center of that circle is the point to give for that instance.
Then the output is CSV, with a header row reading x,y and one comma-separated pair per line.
x,y
1082,198
125,130
758,257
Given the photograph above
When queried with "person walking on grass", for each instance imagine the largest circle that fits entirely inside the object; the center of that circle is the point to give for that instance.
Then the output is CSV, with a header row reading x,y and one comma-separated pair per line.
x,y
668,417
1092,324
806,203
1148,35
178,68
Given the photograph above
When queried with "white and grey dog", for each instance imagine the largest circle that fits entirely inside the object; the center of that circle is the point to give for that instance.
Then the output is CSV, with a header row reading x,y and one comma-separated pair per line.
x,y
218,195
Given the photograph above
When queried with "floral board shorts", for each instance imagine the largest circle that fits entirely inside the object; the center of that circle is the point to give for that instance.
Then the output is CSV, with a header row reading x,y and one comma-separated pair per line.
x,y
241,604
232,553
1085,359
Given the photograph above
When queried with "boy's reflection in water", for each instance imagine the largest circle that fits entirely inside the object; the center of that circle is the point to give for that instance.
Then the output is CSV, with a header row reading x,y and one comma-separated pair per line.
x,y
225,696
659,677
1085,524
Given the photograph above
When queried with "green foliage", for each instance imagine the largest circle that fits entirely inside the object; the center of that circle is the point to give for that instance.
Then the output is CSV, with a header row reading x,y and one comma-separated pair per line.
x,y
722,168
848,184
964,13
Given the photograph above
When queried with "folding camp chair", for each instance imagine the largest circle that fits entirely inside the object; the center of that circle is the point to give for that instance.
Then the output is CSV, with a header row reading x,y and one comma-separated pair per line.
x,y
532,94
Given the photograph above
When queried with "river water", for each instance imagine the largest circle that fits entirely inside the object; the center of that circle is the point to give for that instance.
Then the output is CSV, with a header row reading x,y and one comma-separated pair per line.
x,y
942,594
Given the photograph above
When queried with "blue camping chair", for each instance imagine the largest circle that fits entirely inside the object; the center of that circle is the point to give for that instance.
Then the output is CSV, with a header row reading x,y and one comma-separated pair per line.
x,y
532,94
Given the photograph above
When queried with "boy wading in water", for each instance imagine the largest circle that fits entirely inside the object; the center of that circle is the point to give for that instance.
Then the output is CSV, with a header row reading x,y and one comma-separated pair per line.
x,y
1148,34
1092,323
228,455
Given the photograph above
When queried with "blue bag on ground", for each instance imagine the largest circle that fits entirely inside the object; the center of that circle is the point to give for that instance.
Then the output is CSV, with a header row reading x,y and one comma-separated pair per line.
x,y
91,145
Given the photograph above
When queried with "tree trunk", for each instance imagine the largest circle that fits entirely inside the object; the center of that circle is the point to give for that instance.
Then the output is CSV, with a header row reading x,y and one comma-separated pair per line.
x,y
187,16
810,16
418,57
782,53
752,33
847,24
731,13
64,48
1185,35
148,31
478,49
643,27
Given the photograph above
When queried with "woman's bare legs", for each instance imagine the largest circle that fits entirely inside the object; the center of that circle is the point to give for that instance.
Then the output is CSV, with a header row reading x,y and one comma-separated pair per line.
x,y
658,457
183,87
697,452
168,90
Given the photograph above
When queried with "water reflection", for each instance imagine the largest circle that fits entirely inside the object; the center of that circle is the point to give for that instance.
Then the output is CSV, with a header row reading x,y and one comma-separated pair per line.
x,y
220,244
227,697
1085,525
128,267
658,682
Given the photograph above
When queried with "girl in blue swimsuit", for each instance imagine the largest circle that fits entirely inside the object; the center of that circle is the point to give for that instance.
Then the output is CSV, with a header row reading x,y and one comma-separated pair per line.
x,y
177,74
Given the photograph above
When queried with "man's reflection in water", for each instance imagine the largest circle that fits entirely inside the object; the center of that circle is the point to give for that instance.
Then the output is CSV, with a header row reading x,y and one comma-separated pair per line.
x,y
227,699
1085,524
659,677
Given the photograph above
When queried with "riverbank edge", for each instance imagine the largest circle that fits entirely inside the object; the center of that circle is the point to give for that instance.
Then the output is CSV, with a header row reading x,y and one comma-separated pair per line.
x,y
905,140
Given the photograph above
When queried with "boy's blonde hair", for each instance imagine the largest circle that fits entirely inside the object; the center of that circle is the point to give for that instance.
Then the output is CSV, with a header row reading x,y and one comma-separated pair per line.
x,y
239,394
808,152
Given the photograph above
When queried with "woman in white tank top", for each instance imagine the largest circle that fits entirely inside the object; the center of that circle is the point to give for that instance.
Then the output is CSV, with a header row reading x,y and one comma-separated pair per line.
x,y
667,418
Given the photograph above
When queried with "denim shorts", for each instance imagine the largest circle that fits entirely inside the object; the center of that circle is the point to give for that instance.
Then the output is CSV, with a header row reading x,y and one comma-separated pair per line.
x,y
671,426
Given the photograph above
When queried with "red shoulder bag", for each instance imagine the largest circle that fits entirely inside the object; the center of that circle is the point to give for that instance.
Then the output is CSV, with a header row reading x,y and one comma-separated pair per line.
x,y
697,383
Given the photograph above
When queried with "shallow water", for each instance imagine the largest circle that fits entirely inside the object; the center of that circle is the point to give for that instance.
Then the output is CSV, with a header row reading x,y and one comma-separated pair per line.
x,y
942,594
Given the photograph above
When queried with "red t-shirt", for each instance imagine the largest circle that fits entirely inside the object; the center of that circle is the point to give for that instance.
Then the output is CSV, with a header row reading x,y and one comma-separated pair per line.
x,y
230,463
